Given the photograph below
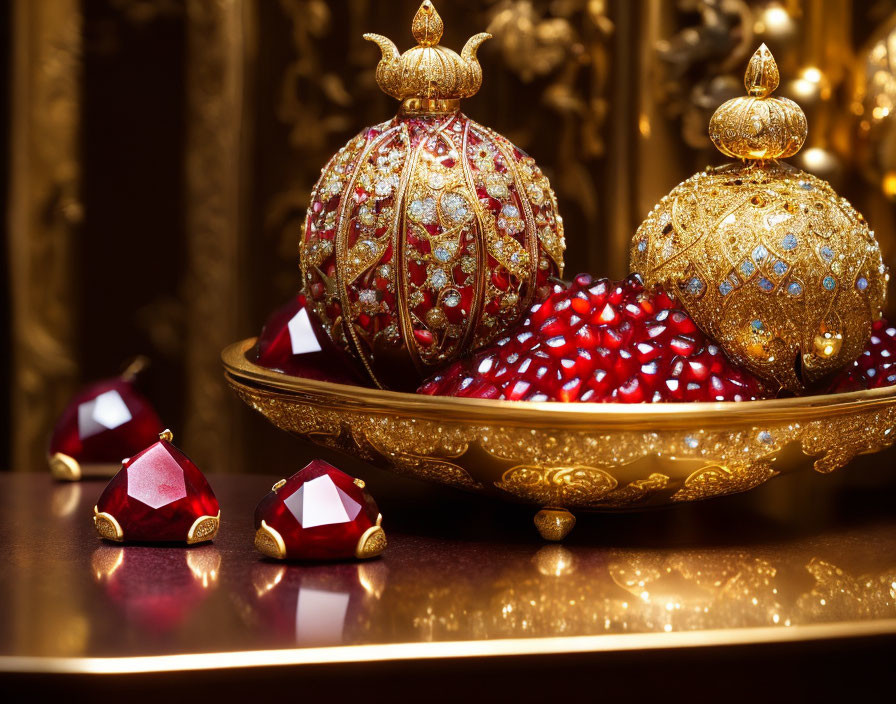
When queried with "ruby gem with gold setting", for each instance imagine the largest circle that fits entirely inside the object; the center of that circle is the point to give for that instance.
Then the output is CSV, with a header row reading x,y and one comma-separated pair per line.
x,y
319,513
159,495
104,422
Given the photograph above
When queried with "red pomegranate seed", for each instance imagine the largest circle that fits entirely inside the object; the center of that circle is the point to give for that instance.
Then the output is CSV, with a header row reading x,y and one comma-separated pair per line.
x,y
600,341
875,367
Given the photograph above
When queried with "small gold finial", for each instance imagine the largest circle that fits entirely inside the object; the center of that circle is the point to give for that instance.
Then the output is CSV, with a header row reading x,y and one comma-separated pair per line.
x,y
428,78
166,435
427,26
760,126
761,78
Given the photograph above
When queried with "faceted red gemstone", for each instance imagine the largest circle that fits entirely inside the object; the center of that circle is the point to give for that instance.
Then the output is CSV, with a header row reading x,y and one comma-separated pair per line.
x,y
105,423
875,367
157,495
320,513
604,342
292,341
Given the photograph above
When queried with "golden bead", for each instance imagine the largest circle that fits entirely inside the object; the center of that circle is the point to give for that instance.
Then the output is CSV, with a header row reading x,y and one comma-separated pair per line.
x,y
828,344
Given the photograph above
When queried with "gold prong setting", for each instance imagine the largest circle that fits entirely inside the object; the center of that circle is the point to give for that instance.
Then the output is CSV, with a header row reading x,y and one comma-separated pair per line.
x,y
107,527
269,542
204,528
372,542
64,468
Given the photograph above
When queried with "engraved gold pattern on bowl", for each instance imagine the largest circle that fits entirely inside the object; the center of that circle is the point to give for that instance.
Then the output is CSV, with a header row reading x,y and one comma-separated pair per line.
x,y
573,456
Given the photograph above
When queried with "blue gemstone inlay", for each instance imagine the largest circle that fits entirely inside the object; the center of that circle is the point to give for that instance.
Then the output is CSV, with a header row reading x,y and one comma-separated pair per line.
x,y
757,326
806,186
642,245
765,284
725,288
795,289
861,283
827,253
829,282
695,286
747,268
780,268
766,437
760,253
789,242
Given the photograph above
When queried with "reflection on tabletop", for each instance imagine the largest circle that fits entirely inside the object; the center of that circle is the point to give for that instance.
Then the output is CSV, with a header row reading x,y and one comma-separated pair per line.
x,y
805,549
156,588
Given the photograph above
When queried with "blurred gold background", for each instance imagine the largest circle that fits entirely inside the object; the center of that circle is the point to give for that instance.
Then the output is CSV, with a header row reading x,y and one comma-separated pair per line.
x,y
160,154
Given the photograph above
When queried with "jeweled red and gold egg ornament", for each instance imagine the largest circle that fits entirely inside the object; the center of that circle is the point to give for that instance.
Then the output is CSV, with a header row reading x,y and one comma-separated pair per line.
x,y
428,235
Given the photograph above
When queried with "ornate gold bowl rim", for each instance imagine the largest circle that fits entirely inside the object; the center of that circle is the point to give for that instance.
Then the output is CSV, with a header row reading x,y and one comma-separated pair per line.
x,y
547,414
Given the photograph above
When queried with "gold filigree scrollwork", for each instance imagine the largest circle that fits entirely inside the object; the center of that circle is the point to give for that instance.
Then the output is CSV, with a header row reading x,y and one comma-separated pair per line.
x,y
857,434
600,466
424,449
715,480
557,486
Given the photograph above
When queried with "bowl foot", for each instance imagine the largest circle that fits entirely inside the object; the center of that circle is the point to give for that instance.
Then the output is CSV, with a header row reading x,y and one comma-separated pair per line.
x,y
554,523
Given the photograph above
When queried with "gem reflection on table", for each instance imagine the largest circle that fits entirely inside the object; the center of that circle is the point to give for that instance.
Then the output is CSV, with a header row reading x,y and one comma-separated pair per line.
x,y
156,588
317,605
808,549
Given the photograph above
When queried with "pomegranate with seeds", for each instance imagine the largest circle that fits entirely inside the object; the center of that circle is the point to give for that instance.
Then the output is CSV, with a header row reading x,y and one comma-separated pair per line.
x,y
875,367
600,341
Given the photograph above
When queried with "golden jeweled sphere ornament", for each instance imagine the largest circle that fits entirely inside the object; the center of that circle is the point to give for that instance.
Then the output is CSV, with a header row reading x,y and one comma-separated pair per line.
x,y
428,235
768,259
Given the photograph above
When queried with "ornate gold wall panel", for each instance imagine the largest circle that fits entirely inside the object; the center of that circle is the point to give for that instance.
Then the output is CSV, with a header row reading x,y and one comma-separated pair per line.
x,y
219,45
45,213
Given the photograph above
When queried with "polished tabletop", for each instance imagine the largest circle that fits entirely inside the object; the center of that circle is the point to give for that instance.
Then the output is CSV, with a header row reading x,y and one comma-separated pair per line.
x,y
806,557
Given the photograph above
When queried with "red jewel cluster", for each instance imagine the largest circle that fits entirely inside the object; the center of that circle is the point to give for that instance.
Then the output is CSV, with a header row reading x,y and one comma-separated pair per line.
x,y
875,367
604,342
598,341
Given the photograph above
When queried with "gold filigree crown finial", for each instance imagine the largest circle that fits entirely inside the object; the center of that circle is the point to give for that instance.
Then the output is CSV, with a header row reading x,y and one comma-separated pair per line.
x,y
427,26
429,77
761,77
759,126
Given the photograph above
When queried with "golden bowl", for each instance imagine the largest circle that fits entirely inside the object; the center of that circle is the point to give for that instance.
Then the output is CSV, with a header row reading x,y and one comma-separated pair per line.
x,y
578,456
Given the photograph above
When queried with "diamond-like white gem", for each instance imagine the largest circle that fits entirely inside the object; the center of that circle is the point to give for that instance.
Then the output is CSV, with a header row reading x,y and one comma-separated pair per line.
x,y
438,278
367,296
454,205
384,187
